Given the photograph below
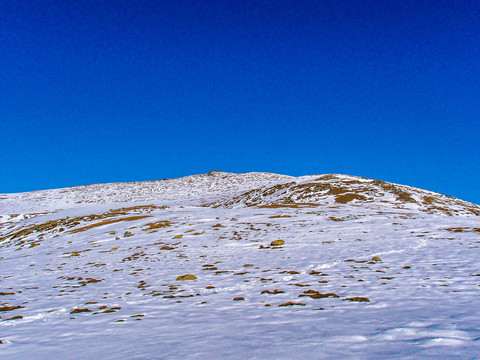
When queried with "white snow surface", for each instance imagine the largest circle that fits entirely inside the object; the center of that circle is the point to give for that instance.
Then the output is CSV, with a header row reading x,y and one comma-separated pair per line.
x,y
91,271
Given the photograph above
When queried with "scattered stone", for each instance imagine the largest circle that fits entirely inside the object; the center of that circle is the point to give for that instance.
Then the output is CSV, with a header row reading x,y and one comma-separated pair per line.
x,y
248,265
186,277
318,295
178,236
6,293
238,298
406,267
277,243
221,272
127,234
291,303
273,292
76,311
10,308
357,298
16,317
291,272
376,258
91,280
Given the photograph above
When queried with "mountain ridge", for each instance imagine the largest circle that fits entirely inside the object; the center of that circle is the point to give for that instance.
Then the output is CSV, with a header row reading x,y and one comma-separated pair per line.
x,y
218,188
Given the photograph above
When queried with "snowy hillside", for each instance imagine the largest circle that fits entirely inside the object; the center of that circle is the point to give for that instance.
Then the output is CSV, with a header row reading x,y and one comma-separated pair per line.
x,y
187,189
239,266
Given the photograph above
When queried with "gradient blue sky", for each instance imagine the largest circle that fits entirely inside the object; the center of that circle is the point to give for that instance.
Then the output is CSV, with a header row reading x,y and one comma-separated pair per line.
x,y
108,91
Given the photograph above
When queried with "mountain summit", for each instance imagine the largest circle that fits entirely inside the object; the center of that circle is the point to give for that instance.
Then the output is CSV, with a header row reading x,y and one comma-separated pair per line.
x,y
224,265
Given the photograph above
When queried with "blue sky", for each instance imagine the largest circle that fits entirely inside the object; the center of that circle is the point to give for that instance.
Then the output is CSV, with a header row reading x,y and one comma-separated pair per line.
x,y
141,90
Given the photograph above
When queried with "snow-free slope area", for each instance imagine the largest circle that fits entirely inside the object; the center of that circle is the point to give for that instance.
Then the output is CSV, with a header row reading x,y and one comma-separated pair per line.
x,y
165,279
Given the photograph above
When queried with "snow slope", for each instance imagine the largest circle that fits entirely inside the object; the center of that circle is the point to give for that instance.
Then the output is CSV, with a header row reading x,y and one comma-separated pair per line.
x,y
367,270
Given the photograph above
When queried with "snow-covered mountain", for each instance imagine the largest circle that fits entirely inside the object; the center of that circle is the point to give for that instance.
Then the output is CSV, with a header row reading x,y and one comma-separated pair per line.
x,y
241,266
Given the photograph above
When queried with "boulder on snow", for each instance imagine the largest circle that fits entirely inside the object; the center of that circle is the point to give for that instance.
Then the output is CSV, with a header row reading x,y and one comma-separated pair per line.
x,y
186,277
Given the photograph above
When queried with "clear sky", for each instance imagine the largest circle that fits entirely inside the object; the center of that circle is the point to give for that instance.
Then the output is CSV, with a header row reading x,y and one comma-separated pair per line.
x,y
106,91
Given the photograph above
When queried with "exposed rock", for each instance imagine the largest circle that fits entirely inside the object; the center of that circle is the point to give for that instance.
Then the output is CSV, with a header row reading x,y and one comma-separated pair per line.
x,y
10,308
273,292
318,295
76,311
186,277
357,298
291,303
